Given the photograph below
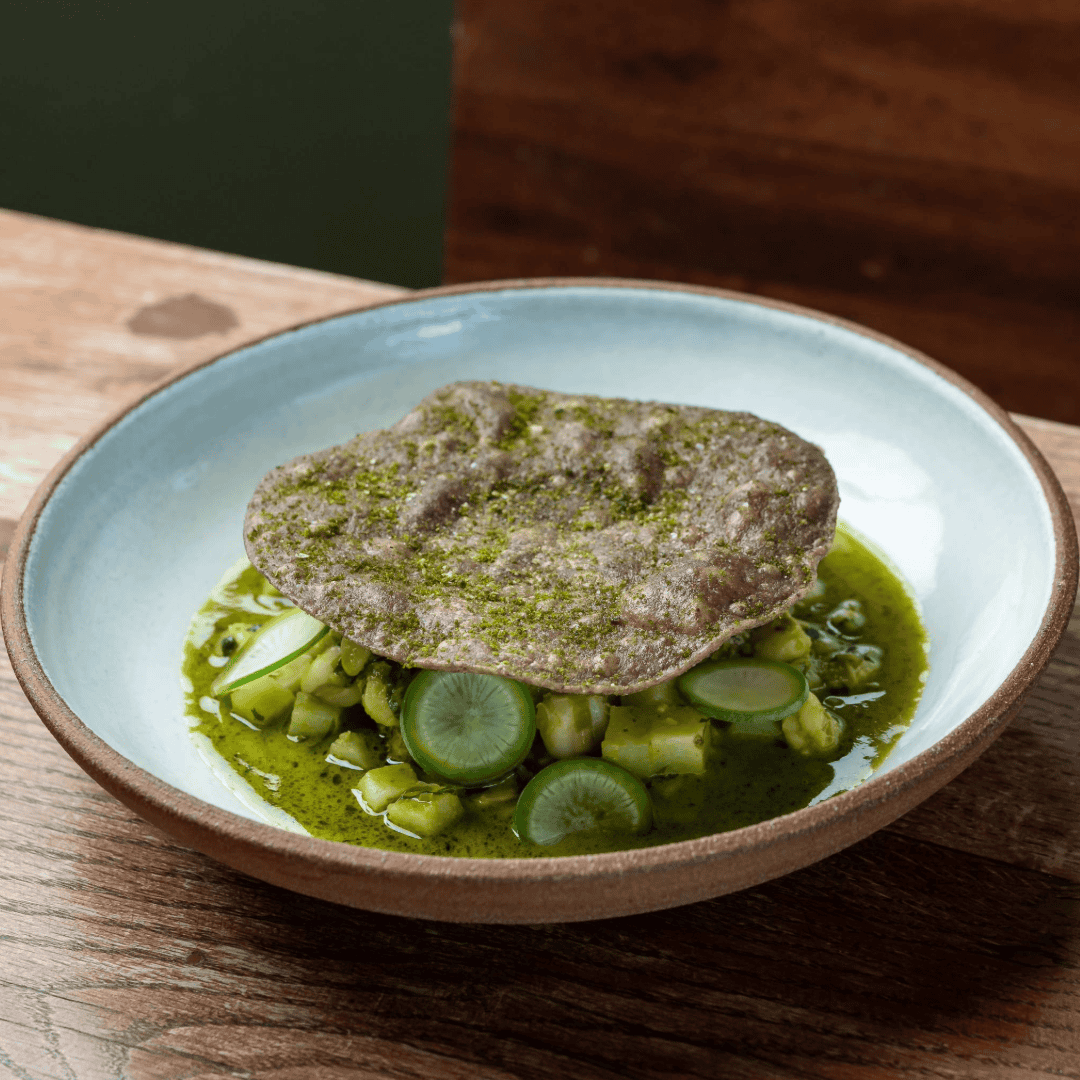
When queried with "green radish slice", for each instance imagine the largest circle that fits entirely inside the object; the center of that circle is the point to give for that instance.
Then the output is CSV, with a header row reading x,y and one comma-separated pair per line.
x,y
467,727
741,690
581,795
282,639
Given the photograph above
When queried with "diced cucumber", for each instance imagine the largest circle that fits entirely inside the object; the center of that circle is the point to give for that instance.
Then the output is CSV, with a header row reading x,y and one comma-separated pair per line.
x,y
813,731
260,702
755,729
650,743
291,675
281,639
353,657
783,639
627,741
681,742
571,724
380,787
327,682
665,693
822,644
847,617
323,671
426,810
504,793
396,749
345,696
376,698
357,749
852,667
598,710
270,697
312,718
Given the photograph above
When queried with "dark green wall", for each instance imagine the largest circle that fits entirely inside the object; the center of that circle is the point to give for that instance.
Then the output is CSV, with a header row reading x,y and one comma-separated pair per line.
x,y
312,132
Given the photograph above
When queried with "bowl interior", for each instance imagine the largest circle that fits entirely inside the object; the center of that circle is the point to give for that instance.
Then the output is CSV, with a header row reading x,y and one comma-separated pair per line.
x,y
145,522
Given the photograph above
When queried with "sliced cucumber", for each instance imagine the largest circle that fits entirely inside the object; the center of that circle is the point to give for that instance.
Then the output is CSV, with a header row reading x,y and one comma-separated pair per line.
x,y
467,727
280,640
353,657
425,810
745,689
313,719
571,724
581,795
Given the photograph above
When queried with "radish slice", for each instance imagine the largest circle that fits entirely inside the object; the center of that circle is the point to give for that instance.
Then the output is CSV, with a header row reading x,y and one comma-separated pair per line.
x,y
467,727
581,795
282,639
742,690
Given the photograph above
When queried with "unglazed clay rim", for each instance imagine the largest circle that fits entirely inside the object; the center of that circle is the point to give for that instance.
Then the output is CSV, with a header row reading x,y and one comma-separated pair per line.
x,y
865,808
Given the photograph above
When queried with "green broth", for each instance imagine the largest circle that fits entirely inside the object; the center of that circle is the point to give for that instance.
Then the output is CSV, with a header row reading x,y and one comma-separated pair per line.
x,y
748,780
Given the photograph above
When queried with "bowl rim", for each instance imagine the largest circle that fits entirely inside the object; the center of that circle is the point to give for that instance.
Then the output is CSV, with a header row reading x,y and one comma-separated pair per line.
x,y
872,804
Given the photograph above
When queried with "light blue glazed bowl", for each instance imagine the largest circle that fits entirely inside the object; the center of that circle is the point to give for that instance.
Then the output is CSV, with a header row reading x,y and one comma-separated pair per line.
x,y
132,530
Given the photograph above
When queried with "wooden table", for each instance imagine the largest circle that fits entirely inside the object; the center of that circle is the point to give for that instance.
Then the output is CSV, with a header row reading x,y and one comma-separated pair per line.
x,y
947,945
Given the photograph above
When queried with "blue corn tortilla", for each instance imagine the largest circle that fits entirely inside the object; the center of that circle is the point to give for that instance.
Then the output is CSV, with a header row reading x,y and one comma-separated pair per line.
x,y
578,543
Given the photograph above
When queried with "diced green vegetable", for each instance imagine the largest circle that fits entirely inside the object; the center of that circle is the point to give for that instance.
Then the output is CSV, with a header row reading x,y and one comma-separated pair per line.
x,y
504,793
783,639
353,657
852,667
264,700
848,617
260,702
571,724
426,810
665,693
754,729
627,741
581,795
344,696
291,675
813,731
377,699
650,743
323,671
599,710
734,647
312,718
465,726
396,749
822,644
380,787
357,749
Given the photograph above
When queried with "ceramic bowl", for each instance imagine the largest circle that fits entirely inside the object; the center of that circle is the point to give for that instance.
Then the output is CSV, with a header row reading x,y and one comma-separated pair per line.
x,y
131,531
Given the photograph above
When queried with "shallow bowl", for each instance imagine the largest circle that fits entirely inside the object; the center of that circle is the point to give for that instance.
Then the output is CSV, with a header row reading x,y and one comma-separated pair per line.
x,y
127,536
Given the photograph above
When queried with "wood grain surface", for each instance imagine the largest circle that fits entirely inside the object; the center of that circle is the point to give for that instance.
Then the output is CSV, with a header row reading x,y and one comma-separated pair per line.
x,y
913,165
946,946
91,318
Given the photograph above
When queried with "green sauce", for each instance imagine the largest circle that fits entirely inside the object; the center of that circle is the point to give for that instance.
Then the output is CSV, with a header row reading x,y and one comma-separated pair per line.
x,y
748,779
